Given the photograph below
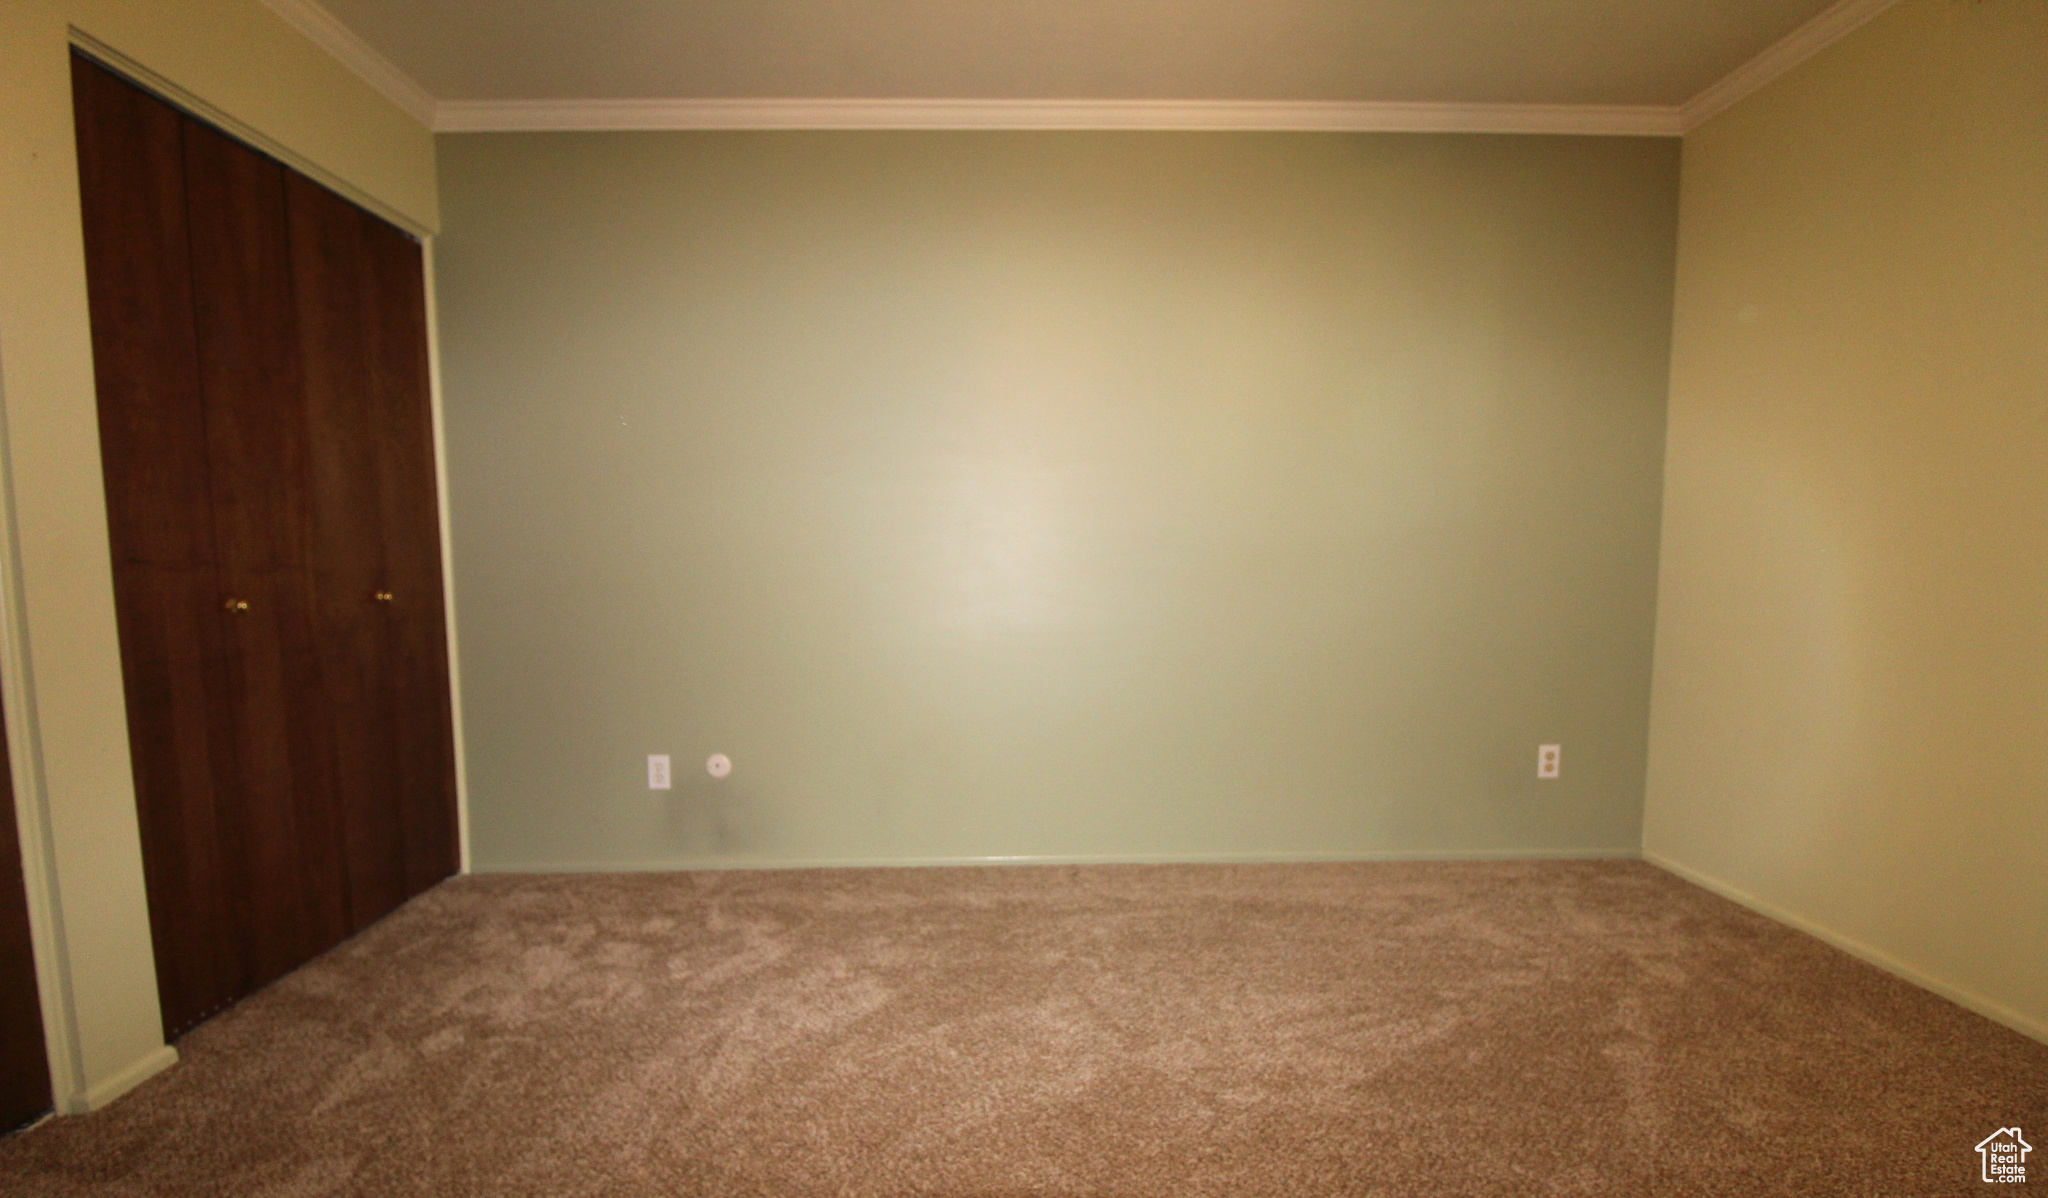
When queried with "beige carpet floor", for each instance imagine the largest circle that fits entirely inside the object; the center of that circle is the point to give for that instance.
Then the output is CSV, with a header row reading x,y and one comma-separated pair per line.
x,y
1445,1028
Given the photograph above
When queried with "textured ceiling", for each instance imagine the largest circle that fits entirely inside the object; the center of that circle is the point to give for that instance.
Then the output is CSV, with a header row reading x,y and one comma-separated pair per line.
x,y
1658,52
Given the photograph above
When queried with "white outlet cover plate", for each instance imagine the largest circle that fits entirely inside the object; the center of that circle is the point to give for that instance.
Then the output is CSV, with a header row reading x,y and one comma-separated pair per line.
x,y
1548,758
657,771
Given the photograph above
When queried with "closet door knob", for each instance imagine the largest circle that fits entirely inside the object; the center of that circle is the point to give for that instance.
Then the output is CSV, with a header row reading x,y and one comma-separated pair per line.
x,y
382,596
238,606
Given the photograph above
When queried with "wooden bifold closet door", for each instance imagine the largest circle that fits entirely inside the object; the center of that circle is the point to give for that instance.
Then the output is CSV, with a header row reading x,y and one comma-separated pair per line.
x,y
260,348
24,1059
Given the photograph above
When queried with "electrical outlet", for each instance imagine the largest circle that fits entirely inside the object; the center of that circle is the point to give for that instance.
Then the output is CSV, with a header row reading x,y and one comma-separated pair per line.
x,y
1547,760
657,771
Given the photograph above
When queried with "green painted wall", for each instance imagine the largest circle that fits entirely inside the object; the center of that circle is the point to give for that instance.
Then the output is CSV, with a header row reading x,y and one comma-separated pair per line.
x,y
1852,660
1084,495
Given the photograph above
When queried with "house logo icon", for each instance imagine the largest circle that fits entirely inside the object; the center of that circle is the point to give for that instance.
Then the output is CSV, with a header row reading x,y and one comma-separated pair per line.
x,y
2005,1156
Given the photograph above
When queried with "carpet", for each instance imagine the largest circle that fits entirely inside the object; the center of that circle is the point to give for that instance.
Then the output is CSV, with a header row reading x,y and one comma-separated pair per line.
x,y
1498,1028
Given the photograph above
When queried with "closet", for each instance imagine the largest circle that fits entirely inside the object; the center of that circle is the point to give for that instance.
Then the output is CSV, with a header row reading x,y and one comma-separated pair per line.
x,y
265,432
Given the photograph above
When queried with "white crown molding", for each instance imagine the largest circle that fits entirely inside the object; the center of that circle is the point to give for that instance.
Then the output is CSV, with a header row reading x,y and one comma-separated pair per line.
x,y
503,116
327,32
1824,30
512,116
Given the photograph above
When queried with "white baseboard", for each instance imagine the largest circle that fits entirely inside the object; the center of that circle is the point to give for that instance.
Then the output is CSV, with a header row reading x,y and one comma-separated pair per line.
x,y
136,1073
689,864
1997,1012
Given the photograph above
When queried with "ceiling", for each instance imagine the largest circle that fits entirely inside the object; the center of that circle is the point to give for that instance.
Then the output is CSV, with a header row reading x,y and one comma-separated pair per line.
x,y
1580,52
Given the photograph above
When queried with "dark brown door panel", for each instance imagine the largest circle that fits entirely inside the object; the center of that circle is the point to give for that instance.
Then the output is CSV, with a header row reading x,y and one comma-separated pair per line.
x,y
176,674
417,641
160,521
286,871
24,1061
337,306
